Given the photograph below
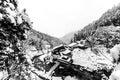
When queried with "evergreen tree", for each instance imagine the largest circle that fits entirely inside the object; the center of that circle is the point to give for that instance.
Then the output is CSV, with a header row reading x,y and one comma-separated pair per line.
x,y
13,26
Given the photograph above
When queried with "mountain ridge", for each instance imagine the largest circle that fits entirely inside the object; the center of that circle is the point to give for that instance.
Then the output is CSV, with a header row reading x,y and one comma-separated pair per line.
x,y
111,18
67,37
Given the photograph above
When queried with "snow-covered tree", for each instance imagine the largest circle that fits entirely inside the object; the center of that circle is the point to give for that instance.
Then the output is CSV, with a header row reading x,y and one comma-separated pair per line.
x,y
13,25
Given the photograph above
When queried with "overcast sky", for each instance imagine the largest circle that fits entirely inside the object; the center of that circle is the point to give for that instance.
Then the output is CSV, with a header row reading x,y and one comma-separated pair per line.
x,y
59,17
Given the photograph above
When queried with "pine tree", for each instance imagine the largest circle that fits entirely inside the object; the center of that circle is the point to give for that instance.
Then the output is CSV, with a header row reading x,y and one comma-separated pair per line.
x,y
13,26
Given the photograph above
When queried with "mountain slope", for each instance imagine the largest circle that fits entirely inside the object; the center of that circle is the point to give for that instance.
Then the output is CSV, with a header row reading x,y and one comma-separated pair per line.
x,y
39,40
66,38
110,18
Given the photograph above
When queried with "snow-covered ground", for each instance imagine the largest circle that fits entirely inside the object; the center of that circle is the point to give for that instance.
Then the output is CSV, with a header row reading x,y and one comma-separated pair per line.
x,y
89,59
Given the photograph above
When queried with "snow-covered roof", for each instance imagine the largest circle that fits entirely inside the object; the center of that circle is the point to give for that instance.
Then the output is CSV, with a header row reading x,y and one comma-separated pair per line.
x,y
72,44
66,51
